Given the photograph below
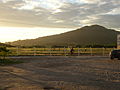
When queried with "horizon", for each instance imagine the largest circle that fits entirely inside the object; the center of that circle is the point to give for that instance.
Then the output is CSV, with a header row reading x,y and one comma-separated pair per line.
x,y
31,33
11,34
30,19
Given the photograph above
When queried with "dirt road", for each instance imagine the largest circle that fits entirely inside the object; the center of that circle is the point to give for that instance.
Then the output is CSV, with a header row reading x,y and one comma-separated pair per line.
x,y
61,73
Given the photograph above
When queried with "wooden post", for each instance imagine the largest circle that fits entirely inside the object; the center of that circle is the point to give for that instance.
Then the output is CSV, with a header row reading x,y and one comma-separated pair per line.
x,y
78,51
91,51
103,51
34,51
17,51
50,51
64,51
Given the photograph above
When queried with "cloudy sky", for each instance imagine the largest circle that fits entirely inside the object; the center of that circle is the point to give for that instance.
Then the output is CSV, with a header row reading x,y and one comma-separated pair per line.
x,y
23,19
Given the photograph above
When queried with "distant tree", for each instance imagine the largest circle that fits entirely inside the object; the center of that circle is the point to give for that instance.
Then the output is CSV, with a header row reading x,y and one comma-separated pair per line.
x,y
3,52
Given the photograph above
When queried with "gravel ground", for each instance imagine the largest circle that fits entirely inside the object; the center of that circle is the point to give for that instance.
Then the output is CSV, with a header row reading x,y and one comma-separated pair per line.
x,y
61,73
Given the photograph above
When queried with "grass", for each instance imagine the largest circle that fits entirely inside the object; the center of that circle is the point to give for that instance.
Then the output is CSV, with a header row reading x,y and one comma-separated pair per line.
x,y
4,62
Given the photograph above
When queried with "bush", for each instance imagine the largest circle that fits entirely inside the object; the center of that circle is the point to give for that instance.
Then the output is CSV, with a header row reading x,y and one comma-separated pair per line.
x,y
3,52
4,62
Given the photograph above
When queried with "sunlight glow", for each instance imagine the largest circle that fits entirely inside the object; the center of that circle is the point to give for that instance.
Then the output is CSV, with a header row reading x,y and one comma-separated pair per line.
x,y
12,34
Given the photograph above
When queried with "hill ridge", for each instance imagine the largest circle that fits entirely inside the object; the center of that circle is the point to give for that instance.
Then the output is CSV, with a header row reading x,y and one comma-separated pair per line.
x,y
94,34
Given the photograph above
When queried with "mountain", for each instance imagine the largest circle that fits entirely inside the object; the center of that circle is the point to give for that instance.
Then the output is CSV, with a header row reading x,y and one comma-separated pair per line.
x,y
87,35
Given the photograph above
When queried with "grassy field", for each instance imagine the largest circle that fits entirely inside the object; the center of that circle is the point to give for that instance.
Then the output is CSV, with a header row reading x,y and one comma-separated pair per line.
x,y
58,51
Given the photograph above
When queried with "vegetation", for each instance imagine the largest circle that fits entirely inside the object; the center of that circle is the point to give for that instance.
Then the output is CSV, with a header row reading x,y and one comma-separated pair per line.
x,y
4,62
3,52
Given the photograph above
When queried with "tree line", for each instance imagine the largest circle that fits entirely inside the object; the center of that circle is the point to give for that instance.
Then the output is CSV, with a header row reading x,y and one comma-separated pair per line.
x,y
75,46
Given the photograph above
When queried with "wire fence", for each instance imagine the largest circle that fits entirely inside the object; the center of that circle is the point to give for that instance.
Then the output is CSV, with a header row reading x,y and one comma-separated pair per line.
x,y
18,51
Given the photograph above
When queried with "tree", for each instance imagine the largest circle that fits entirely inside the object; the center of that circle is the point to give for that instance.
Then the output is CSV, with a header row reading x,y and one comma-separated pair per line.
x,y
3,52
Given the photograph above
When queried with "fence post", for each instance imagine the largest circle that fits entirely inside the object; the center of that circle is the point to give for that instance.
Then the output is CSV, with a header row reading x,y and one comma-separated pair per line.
x,y
17,51
34,51
103,51
50,51
91,51
59,51
64,51
78,51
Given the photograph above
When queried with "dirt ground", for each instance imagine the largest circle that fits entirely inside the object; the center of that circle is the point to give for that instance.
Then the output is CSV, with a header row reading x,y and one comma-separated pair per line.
x,y
61,73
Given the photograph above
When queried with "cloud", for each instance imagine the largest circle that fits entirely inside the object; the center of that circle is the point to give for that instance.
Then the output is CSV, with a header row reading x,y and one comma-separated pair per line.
x,y
109,20
48,4
5,1
115,11
90,1
59,13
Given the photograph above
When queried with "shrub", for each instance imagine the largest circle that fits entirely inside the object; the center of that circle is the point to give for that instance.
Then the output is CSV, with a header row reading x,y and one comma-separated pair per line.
x,y
3,52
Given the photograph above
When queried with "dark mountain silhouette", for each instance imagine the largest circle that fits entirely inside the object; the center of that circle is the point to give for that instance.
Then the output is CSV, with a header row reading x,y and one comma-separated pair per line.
x,y
87,35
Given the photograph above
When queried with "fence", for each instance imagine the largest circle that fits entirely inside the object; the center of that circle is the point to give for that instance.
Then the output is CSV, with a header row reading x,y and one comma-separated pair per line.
x,y
18,51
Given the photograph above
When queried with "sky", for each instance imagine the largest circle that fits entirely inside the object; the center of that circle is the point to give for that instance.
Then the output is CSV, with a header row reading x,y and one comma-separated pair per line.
x,y
27,19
